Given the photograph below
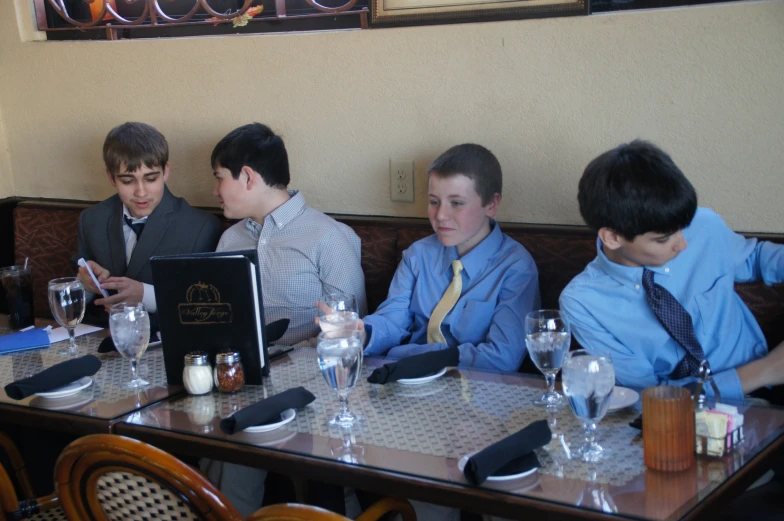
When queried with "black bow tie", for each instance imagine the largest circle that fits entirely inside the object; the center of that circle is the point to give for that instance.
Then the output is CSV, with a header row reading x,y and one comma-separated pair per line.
x,y
137,228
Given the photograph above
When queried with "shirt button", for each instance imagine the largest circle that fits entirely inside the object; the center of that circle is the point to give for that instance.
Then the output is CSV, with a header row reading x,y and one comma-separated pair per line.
x,y
280,226
263,241
637,287
666,270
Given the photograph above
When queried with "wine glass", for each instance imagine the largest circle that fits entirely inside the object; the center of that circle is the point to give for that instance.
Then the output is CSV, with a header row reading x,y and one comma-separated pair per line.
x,y
340,361
588,382
547,338
67,303
130,327
338,311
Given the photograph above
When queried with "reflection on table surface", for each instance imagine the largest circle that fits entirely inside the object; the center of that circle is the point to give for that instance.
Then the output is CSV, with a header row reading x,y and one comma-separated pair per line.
x,y
424,431
105,399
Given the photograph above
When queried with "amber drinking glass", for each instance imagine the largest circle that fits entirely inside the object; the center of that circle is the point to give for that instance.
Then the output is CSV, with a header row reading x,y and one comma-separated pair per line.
x,y
668,428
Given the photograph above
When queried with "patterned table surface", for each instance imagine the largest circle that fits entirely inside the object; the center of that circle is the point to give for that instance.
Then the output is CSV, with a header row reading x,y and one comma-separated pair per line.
x,y
105,399
425,430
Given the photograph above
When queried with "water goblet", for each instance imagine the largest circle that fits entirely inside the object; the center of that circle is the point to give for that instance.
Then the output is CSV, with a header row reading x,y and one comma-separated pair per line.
x,y
340,361
67,303
338,311
588,382
130,327
547,338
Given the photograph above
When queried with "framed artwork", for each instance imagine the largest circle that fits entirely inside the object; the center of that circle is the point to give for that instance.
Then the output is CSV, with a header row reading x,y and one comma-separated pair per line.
x,y
413,12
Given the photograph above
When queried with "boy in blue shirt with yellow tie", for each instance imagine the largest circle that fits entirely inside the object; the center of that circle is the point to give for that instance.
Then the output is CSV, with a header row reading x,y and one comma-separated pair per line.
x,y
660,294
469,286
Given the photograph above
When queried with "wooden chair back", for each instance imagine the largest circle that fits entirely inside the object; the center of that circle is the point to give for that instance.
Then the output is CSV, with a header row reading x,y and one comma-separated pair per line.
x,y
105,477
297,512
29,507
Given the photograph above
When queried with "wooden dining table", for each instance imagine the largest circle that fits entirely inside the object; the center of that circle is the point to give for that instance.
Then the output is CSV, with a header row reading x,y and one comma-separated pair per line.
x,y
92,410
413,439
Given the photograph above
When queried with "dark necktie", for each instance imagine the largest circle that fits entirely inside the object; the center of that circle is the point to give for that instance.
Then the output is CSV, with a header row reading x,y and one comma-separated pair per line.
x,y
677,321
137,228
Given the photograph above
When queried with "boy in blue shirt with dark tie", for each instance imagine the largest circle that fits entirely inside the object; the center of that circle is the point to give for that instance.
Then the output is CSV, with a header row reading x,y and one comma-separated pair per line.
x,y
468,286
660,294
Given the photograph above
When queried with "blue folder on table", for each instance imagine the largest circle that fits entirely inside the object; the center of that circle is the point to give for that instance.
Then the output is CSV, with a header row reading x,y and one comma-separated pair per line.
x,y
24,340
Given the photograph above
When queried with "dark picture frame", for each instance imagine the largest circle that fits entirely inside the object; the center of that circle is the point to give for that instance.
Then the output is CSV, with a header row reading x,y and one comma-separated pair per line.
x,y
417,12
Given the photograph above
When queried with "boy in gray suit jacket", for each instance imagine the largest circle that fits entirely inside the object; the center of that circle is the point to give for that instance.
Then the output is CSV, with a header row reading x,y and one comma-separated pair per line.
x,y
118,236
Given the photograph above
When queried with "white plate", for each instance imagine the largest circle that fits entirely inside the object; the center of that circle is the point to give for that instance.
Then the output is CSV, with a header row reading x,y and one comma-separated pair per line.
x,y
621,398
462,463
155,343
423,379
286,416
68,390
62,404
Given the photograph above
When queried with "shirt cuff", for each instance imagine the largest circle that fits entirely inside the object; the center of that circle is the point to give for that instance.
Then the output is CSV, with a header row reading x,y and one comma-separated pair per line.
x,y
149,298
729,385
369,338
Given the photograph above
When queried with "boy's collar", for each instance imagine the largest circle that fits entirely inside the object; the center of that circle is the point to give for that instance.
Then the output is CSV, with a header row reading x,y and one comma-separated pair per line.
x,y
282,215
630,276
475,260
135,220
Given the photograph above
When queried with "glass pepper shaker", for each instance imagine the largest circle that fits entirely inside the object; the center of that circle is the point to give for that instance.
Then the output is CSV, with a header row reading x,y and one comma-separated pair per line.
x,y
229,374
197,373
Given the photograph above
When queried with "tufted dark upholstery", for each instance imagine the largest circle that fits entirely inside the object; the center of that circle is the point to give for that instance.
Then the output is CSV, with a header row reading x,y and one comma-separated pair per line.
x,y
46,232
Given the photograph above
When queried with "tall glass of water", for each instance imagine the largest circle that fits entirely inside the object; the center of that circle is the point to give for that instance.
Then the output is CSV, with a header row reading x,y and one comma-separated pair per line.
x,y
340,361
338,311
547,339
588,382
130,327
67,303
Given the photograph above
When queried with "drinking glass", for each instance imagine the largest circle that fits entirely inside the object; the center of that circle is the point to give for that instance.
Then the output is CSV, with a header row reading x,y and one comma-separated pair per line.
x,y
547,338
588,382
338,311
67,303
17,284
340,361
130,327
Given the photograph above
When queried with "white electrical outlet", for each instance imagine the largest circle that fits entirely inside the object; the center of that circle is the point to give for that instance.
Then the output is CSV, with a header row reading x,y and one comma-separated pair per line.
x,y
401,180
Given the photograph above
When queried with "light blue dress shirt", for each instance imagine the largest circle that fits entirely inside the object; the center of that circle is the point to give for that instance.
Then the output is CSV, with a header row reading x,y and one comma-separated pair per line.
x,y
607,308
487,324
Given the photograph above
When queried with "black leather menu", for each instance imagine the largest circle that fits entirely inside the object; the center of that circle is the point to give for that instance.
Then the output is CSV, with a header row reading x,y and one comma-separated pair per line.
x,y
211,302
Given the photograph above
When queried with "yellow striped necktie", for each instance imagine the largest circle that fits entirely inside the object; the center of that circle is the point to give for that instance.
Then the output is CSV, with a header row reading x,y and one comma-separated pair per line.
x,y
445,305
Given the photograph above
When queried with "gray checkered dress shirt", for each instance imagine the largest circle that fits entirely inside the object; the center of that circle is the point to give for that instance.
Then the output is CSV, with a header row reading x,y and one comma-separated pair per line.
x,y
303,253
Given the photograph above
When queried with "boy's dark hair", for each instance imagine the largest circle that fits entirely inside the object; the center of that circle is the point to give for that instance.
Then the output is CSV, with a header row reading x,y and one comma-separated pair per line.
x,y
634,189
474,161
256,146
133,144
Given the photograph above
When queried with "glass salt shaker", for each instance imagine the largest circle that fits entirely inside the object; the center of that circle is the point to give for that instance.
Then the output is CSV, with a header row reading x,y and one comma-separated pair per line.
x,y
229,374
197,373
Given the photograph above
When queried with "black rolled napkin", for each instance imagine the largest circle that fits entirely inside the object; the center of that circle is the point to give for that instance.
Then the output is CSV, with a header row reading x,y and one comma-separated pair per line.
x,y
415,366
274,330
262,412
513,454
107,344
56,376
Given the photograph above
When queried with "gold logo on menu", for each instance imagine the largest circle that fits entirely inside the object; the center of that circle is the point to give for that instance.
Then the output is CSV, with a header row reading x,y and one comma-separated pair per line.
x,y
204,306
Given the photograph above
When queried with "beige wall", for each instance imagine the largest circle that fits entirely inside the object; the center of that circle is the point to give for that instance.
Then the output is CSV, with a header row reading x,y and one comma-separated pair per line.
x,y
6,179
545,95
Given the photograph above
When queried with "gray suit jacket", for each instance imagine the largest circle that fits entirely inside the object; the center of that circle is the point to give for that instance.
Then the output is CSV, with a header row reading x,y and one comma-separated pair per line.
x,y
174,227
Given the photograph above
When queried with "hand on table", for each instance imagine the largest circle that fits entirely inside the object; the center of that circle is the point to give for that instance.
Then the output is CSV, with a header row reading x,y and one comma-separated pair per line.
x,y
100,272
766,371
127,290
323,308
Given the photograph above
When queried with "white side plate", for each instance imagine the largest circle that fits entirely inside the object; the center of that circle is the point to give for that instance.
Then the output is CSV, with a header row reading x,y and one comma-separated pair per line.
x,y
68,390
621,398
423,379
462,463
286,416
